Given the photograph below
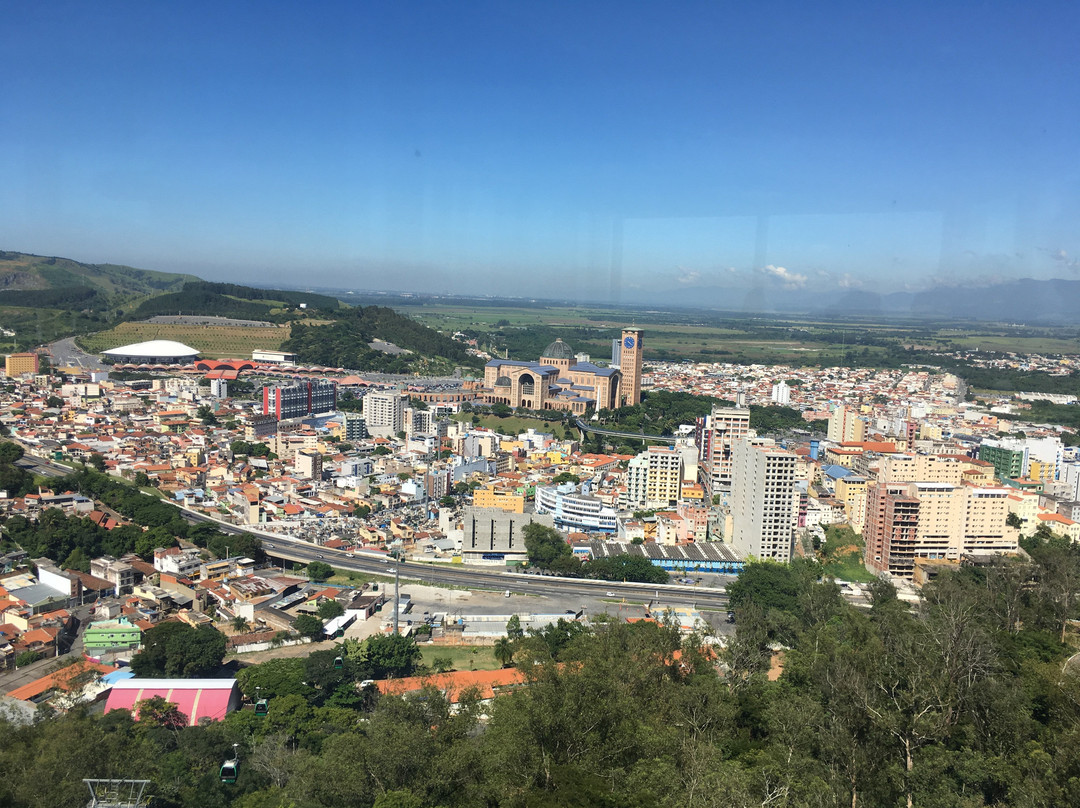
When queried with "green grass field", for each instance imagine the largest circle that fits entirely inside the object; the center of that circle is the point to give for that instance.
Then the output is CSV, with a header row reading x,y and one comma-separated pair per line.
x,y
216,342
350,578
1006,343
462,657
843,555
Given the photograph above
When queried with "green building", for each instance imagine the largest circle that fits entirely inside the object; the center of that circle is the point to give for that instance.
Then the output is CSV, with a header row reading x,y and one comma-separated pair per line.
x,y
1008,463
104,634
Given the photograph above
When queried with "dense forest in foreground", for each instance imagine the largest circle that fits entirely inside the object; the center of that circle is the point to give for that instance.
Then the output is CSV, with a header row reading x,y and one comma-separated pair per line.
x,y
968,702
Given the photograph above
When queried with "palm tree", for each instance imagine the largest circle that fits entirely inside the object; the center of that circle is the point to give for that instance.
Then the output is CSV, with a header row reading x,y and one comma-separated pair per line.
x,y
504,651
240,625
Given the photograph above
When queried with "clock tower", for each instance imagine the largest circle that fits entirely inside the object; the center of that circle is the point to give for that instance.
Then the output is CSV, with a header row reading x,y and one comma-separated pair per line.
x,y
630,368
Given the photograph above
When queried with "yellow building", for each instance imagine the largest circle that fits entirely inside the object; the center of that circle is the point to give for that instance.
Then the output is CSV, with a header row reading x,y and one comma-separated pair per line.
x,y
845,426
692,492
1025,504
852,491
505,499
20,363
922,468
1061,525
1042,471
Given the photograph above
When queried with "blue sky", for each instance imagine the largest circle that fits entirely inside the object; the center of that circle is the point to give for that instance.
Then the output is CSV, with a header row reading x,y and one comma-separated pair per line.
x,y
589,150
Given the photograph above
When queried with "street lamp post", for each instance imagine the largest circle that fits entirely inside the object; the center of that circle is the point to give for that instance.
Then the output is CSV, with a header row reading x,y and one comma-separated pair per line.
x,y
397,596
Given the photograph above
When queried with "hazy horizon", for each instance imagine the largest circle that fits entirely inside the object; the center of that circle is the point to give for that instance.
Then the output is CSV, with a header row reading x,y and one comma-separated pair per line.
x,y
593,152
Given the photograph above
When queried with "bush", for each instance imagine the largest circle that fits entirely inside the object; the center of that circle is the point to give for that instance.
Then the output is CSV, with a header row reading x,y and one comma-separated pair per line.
x,y
27,658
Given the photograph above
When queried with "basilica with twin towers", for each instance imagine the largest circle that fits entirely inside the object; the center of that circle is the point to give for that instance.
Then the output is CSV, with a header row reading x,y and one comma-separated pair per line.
x,y
558,381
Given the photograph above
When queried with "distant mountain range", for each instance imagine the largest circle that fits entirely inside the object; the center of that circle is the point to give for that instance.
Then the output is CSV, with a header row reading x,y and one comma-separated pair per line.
x,y
37,281
1025,300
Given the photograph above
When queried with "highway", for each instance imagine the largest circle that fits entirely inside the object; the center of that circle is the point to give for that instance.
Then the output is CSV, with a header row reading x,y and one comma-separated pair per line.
x,y
297,550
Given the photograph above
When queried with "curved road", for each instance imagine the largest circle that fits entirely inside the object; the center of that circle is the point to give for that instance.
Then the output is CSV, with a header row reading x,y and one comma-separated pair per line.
x,y
298,550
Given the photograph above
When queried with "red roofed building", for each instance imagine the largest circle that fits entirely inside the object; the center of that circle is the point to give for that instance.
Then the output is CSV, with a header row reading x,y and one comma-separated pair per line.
x,y
70,678
198,699
488,683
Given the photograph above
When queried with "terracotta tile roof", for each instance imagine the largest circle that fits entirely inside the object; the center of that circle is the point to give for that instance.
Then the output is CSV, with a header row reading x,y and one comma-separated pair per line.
x,y
455,683
62,679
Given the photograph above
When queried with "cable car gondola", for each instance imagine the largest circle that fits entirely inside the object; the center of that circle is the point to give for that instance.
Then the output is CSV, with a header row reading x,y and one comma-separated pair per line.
x,y
262,706
228,771
339,663
230,768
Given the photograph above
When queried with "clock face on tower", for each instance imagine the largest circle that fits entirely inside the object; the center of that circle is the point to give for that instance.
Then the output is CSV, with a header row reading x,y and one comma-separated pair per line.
x,y
628,342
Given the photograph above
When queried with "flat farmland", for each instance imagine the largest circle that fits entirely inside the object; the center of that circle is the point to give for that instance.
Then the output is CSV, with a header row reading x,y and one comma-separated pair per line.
x,y
460,318
215,342
682,336
1010,343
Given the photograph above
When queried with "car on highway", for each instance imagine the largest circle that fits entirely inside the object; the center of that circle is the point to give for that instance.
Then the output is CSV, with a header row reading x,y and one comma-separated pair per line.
x,y
318,556
611,594
268,544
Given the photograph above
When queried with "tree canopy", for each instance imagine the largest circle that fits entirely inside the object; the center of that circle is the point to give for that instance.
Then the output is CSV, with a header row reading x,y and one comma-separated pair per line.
x,y
176,650
963,700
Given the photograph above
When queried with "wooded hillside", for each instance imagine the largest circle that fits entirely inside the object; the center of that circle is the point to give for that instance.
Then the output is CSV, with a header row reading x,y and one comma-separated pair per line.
x,y
967,702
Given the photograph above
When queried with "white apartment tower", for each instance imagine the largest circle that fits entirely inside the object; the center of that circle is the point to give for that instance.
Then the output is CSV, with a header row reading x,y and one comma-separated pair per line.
x,y
780,394
764,502
384,413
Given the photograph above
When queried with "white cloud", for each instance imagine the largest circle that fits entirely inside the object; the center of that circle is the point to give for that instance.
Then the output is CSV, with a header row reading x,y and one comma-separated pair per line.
x,y
688,277
789,279
1062,257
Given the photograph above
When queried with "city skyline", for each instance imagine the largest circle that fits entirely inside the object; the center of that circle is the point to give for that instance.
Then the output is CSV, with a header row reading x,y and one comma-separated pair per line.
x,y
565,151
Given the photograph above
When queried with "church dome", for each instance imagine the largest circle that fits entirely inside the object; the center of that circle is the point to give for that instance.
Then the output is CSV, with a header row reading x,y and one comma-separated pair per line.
x,y
502,381
558,350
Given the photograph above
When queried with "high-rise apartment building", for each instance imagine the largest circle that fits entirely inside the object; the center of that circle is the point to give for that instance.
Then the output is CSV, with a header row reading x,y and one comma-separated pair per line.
x,y
949,521
845,426
630,368
717,434
354,427
384,412
19,363
285,401
309,464
764,501
654,478
780,394
892,519
419,422
1010,457
925,468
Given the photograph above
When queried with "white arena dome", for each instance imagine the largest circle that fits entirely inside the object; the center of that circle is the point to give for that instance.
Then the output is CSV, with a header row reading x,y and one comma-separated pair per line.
x,y
156,351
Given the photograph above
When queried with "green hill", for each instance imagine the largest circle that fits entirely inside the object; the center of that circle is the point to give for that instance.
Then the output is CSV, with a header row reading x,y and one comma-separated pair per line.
x,y
43,299
25,272
233,300
345,343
